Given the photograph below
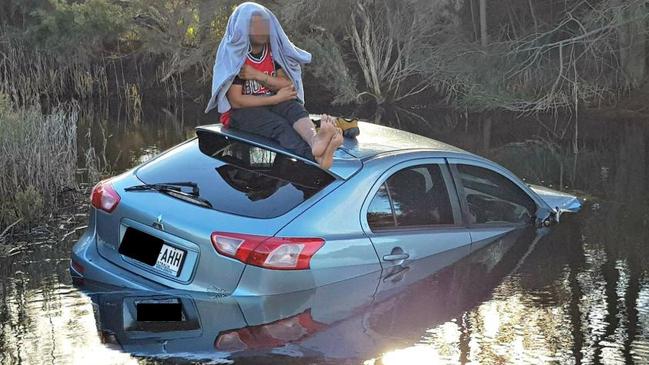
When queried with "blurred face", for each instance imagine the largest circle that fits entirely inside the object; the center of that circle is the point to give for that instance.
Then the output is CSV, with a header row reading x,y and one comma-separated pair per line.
x,y
259,30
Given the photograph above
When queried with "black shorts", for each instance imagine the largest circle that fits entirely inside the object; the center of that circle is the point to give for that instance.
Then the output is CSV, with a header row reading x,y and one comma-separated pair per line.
x,y
275,122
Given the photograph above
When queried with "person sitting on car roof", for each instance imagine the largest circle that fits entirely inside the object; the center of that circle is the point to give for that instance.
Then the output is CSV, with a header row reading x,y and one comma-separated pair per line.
x,y
265,95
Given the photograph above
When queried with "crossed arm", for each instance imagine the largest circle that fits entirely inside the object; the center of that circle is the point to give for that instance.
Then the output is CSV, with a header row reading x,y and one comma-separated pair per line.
x,y
281,84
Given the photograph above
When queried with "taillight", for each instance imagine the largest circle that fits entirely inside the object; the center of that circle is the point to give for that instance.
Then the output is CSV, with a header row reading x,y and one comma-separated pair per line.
x,y
104,197
278,253
285,253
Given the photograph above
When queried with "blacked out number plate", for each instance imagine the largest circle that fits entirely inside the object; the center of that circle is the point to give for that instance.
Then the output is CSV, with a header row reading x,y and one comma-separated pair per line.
x,y
152,251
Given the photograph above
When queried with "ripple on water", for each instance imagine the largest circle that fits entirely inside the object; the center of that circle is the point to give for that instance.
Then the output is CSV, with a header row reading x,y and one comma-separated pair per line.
x,y
53,324
640,344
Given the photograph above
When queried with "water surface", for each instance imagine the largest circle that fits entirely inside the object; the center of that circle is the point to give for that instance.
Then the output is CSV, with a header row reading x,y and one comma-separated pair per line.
x,y
578,294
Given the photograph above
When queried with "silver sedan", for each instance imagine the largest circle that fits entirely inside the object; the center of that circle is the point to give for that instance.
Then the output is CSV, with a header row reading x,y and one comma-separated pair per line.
x,y
235,214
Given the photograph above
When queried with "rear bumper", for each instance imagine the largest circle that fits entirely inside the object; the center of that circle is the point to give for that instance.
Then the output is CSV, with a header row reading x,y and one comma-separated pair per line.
x,y
87,264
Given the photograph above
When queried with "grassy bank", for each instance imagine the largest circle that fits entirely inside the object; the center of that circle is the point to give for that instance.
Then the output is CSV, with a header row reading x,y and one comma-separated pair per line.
x,y
38,160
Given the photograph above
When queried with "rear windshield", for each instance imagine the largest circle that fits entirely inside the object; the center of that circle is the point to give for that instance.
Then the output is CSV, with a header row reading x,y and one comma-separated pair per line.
x,y
238,177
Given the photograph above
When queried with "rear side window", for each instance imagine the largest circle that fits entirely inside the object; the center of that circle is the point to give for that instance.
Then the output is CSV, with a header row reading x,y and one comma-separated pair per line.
x,y
411,197
379,213
493,198
239,178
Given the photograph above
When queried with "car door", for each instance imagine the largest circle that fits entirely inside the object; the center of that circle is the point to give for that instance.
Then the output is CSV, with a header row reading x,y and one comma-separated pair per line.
x,y
413,212
493,203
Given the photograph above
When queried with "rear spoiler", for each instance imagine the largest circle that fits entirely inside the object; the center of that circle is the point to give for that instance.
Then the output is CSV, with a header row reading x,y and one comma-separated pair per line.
x,y
344,165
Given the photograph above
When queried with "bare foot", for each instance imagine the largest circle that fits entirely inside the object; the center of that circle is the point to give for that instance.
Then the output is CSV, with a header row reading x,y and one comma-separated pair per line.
x,y
327,159
327,123
337,140
322,138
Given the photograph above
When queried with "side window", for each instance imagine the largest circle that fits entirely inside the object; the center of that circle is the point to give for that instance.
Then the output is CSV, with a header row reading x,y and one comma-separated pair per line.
x,y
493,198
379,213
418,197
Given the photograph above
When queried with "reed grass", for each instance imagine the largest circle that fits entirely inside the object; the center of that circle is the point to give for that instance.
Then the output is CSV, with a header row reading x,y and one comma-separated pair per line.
x,y
28,74
38,159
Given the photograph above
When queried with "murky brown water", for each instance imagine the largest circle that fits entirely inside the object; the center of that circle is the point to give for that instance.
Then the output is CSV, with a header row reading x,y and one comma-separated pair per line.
x,y
578,294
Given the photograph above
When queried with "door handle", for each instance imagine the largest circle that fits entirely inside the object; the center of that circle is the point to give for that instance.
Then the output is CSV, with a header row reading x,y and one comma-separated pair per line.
x,y
396,257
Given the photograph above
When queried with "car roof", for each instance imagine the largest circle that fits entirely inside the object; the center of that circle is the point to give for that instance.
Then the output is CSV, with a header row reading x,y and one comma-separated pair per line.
x,y
373,140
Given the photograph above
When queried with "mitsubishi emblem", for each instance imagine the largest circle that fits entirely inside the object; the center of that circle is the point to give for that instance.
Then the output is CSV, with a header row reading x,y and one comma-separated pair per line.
x,y
158,223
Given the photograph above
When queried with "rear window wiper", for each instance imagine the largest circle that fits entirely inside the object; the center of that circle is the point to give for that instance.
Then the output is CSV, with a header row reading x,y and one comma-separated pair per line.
x,y
174,189
169,185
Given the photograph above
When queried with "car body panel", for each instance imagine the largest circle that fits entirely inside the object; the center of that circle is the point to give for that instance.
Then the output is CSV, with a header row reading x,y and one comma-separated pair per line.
x,y
394,278
183,230
376,139
420,242
337,214
347,251
558,200
341,258
97,268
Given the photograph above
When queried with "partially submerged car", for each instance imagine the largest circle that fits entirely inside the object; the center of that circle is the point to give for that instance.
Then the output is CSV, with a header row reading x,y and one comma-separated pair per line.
x,y
233,213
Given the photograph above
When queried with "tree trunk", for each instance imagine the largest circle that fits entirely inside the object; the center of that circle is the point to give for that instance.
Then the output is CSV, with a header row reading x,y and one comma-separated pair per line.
x,y
486,133
483,23
632,41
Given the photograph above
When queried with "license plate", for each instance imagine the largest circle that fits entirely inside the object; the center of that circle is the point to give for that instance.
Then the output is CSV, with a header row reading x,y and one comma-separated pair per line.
x,y
169,260
159,310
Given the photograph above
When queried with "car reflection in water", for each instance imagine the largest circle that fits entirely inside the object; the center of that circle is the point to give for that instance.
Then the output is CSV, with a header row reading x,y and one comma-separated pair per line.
x,y
358,318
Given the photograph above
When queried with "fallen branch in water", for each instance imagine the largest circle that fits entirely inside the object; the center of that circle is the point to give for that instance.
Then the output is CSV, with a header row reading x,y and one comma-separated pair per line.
x,y
72,231
2,235
16,250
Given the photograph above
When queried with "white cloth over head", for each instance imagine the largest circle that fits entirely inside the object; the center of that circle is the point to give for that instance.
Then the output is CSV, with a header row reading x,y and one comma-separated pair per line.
x,y
234,46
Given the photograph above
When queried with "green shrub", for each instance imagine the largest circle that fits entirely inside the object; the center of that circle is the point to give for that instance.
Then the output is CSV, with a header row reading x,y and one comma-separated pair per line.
x,y
79,29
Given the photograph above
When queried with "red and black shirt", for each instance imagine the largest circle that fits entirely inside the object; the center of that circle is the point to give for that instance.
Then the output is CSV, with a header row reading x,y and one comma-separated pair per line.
x,y
262,61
